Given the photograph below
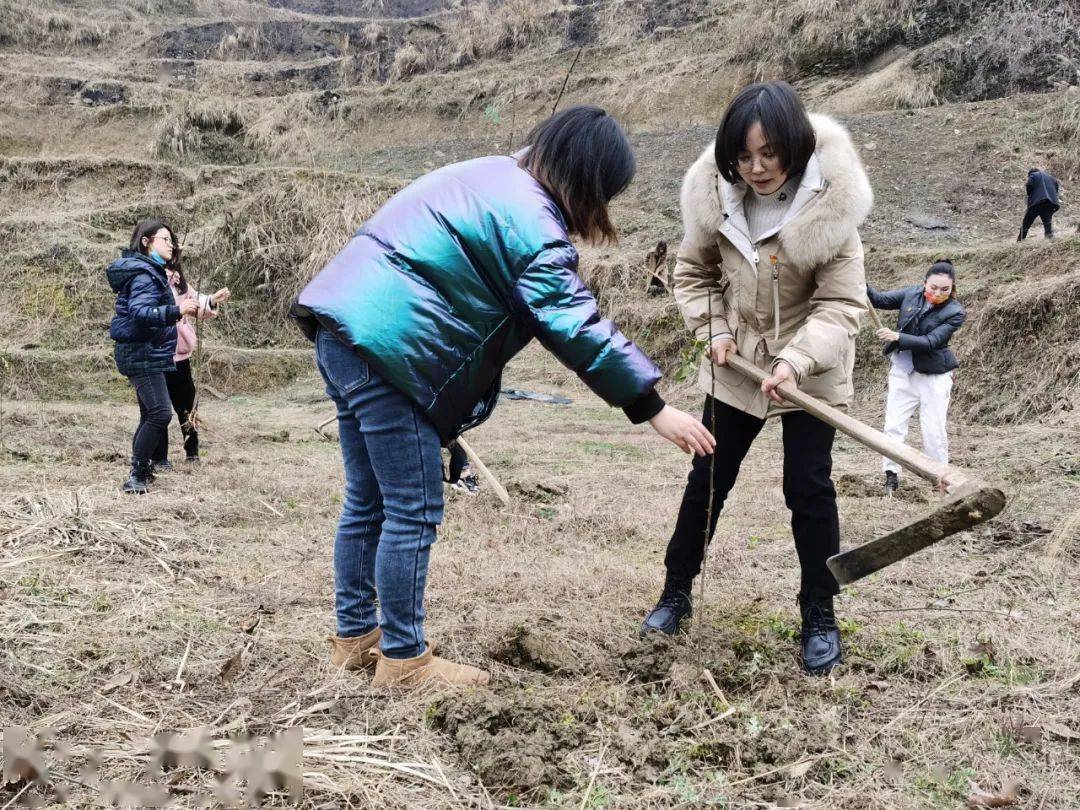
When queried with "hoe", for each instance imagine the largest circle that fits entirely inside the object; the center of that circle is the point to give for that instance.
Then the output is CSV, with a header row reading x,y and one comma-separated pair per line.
x,y
970,500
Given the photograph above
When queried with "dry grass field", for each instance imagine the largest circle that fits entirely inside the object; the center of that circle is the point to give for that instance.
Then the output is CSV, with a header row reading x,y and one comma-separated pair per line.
x,y
267,132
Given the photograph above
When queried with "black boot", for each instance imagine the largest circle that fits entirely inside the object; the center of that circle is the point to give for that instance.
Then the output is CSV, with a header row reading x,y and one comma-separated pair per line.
x,y
892,482
138,481
191,444
821,649
675,605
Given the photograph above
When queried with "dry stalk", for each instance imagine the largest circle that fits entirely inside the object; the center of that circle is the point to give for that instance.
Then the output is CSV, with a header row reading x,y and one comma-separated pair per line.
x,y
193,422
65,525
566,80
592,776
513,121
706,540
1064,537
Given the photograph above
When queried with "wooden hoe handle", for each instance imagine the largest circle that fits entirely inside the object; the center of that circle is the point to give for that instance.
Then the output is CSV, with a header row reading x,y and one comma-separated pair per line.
x,y
907,457
874,316
970,501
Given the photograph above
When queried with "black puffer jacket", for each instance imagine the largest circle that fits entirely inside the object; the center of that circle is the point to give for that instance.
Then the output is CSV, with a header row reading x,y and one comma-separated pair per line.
x,y
1042,188
144,326
925,331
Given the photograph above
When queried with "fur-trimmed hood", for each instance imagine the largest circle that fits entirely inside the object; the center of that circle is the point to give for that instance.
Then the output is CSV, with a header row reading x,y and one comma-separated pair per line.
x,y
837,191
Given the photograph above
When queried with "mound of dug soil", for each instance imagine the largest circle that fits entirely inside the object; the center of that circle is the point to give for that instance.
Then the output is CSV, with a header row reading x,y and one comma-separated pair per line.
x,y
514,739
849,485
546,649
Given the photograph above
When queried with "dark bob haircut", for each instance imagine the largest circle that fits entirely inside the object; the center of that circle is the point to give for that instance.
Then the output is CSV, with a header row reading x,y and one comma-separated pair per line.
x,y
583,159
787,128
145,229
943,267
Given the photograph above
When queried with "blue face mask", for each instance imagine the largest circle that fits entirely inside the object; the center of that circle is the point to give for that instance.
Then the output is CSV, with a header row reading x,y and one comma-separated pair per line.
x,y
156,258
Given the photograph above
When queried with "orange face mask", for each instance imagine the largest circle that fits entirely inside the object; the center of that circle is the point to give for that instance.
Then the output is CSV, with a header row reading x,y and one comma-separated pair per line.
x,y
935,299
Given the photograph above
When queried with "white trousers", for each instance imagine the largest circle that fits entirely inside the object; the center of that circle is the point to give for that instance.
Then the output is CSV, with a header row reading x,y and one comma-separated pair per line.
x,y
930,394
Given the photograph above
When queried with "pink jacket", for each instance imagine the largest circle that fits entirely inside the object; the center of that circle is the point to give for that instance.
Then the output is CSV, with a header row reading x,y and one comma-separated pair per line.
x,y
186,337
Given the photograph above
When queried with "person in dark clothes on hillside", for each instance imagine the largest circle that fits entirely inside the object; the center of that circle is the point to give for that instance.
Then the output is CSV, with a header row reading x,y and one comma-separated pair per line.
x,y
1043,200
144,328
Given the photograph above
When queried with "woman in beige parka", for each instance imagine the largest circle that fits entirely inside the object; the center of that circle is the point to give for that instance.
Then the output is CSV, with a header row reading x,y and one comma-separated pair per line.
x,y
771,248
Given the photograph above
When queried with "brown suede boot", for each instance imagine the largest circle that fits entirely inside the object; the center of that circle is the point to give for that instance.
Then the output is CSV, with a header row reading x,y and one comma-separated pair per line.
x,y
409,673
359,652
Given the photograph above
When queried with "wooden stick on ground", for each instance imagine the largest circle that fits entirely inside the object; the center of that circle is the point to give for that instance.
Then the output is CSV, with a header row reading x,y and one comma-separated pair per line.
x,y
474,459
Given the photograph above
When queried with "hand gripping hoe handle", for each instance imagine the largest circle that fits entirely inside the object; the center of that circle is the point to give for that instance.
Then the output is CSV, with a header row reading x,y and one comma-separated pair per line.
x,y
970,500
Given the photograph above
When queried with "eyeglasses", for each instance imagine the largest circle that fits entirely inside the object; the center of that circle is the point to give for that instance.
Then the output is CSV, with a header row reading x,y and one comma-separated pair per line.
x,y
167,240
746,161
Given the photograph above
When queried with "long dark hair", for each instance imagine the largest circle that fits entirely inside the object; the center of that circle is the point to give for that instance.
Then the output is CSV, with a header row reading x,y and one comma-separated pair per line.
x,y
787,128
582,157
146,229
943,267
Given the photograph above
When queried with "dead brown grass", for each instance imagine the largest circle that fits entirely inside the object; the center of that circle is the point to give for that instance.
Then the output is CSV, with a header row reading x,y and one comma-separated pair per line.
x,y
961,662
898,86
208,129
791,38
1017,46
284,231
31,26
205,604
1023,352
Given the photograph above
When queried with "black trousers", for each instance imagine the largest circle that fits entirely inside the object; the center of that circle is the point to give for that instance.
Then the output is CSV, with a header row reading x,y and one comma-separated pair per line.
x,y
1044,211
154,414
808,492
181,388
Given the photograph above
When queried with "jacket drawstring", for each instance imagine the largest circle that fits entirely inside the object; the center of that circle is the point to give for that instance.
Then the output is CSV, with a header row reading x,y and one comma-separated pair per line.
x,y
775,297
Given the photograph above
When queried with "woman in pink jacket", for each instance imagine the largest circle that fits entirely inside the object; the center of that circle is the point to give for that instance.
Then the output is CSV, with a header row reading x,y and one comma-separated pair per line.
x,y
180,383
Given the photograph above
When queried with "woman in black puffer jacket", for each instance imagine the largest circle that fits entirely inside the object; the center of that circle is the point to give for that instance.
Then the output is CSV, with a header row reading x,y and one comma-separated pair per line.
x,y
922,362
144,328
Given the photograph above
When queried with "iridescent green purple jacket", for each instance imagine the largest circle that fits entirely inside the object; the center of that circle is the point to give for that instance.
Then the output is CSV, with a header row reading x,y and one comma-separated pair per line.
x,y
453,277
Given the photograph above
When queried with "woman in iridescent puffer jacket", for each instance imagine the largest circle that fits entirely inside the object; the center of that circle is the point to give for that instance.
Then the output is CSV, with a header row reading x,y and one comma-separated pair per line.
x,y
413,322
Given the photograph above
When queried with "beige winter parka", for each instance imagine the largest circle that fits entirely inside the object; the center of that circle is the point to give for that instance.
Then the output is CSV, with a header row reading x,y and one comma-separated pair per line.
x,y
798,293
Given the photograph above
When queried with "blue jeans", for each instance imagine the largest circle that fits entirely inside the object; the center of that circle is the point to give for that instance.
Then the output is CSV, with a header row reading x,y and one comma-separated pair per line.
x,y
393,501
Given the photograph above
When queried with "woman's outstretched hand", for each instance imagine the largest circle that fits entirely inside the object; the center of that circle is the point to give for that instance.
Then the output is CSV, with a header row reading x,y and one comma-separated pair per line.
x,y
887,335
683,431
189,307
221,296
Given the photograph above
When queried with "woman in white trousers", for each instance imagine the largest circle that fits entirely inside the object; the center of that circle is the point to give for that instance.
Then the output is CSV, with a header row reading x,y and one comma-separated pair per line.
x,y
921,377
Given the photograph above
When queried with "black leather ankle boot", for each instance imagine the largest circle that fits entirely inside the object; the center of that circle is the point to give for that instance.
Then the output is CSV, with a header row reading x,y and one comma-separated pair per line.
x,y
821,650
675,605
